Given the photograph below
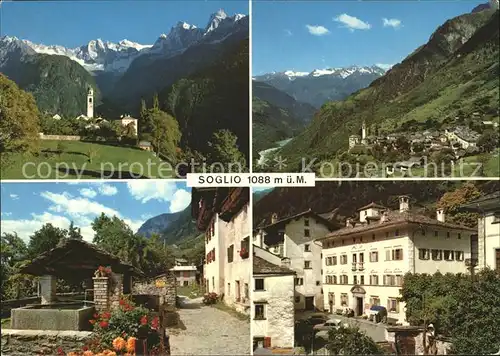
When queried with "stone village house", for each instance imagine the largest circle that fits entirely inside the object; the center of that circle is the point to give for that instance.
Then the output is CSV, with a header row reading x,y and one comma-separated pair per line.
x,y
223,214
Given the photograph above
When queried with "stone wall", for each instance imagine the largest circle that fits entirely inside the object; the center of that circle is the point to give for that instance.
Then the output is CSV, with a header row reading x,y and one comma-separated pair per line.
x,y
410,339
101,293
42,342
163,286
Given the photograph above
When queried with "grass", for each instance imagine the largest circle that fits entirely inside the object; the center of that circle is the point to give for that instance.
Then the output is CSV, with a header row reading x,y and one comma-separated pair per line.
x,y
70,160
193,291
5,323
225,308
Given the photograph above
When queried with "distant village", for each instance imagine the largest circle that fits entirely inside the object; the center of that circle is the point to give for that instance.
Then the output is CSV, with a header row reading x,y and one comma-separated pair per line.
x,y
458,141
128,124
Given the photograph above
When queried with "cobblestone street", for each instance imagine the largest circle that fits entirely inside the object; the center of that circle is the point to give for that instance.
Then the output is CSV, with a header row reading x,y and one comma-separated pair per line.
x,y
208,331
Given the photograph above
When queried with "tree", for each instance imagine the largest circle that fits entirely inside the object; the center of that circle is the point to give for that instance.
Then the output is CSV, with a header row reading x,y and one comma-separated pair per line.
x,y
156,102
451,201
74,232
19,120
45,239
351,341
224,148
166,134
488,141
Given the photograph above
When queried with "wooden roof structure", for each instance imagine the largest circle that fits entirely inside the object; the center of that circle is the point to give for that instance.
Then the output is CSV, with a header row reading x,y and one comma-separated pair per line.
x,y
227,202
76,260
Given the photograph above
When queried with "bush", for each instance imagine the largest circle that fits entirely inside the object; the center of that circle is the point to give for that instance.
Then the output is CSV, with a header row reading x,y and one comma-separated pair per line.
x,y
210,298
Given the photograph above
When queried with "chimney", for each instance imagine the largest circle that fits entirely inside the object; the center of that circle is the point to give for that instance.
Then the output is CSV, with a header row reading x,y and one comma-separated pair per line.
x,y
348,222
440,215
274,218
285,262
404,203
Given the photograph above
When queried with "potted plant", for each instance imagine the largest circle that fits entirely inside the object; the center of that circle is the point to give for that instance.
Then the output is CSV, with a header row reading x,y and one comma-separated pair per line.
x,y
244,253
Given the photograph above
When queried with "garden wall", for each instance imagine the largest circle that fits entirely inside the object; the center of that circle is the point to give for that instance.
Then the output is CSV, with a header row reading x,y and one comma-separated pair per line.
x,y
164,286
43,342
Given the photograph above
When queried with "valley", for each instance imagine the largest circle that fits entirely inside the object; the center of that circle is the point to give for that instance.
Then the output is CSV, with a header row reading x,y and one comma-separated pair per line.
x,y
438,107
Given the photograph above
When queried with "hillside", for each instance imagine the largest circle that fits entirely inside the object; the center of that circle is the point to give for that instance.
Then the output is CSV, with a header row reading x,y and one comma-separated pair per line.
x,y
321,85
455,72
55,81
341,199
214,98
173,228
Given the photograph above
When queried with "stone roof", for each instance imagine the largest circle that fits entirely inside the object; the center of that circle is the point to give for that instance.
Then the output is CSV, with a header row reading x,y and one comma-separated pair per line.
x,y
395,218
261,266
372,205
308,212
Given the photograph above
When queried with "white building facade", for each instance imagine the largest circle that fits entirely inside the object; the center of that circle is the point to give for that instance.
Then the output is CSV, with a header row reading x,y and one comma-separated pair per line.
x,y
294,238
185,275
365,262
273,307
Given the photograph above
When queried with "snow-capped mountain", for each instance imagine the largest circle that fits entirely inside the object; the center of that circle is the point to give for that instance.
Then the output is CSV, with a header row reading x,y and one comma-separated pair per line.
x,y
321,85
98,55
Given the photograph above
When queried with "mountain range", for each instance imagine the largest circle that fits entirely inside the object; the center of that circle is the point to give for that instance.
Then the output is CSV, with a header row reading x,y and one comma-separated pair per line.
x,y
322,85
115,67
454,74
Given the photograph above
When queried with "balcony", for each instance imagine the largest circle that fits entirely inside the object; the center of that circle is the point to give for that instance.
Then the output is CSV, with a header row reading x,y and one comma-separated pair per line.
x,y
361,266
354,266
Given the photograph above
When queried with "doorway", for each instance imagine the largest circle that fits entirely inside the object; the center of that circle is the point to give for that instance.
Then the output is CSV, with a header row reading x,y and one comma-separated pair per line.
x,y
359,306
309,303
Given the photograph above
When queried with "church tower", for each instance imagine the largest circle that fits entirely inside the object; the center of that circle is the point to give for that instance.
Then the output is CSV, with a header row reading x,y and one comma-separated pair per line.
x,y
90,103
363,133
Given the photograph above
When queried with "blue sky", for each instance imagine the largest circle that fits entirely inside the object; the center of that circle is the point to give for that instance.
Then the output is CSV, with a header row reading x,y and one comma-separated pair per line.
x,y
74,23
308,35
26,207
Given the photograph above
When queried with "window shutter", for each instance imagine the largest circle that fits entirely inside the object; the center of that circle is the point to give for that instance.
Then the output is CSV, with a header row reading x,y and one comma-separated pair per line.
x,y
267,342
387,255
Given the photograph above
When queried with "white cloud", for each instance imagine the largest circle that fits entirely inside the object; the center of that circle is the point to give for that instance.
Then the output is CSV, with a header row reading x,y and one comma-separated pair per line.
x,y
180,200
6,214
317,30
145,190
89,193
26,227
107,189
288,32
352,23
384,66
395,23
14,196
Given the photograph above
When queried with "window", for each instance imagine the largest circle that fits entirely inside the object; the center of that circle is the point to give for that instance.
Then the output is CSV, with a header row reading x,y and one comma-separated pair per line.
x,y
344,279
297,299
247,294
374,280
307,264
230,254
448,255
399,280
229,289
396,233
306,232
436,234
343,259
448,234
344,299
373,256
334,279
299,281
306,222
374,300
328,261
373,237
393,305
259,311
397,254
423,253
361,257
259,284
307,248
334,260
389,280
355,279
437,255
353,258
362,280
459,236
186,283
459,255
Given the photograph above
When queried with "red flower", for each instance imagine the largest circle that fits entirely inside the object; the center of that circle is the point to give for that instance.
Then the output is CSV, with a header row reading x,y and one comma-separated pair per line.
x,y
60,351
96,316
106,315
155,323
92,321
122,302
144,320
104,324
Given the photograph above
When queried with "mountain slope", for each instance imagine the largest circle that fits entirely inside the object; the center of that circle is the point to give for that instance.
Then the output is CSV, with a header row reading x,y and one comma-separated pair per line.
x,y
322,85
174,228
341,199
58,84
456,71
276,116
